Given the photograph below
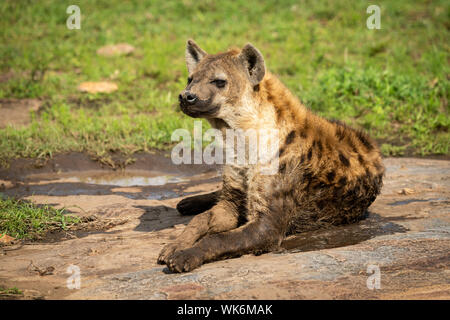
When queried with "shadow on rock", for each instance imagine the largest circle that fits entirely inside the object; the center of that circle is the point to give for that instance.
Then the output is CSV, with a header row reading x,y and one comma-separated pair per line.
x,y
59,189
341,236
156,218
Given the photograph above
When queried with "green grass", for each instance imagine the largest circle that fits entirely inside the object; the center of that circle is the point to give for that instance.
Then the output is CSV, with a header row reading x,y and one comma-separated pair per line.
x,y
390,150
10,291
392,82
23,220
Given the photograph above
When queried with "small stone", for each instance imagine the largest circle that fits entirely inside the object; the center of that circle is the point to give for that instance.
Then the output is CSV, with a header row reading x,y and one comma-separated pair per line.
x,y
98,87
119,49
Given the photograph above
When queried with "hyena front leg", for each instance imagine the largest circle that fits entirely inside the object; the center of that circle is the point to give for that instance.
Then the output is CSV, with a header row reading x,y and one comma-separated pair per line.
x,y
267,213
259,235
221,217
198,204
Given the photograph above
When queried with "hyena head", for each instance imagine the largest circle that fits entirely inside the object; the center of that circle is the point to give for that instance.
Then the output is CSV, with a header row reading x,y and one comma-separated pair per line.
x,y
220,84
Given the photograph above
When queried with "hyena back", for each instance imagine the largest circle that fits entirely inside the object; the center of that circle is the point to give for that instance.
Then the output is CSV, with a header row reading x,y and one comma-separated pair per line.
x,y
328,173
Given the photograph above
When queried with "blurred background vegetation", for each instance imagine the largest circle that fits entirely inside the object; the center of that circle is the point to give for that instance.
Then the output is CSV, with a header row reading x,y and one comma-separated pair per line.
x,y
392,82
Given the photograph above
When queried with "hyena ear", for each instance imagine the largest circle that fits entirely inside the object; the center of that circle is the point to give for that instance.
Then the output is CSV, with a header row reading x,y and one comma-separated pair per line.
x,y
254,63
193,55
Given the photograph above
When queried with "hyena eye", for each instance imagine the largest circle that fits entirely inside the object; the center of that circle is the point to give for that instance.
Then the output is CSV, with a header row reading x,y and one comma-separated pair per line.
x,y
189,80
219,83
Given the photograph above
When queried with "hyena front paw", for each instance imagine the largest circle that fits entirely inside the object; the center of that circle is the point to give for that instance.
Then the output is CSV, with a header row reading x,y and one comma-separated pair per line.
x,y
167,251
197,204
188,206
185,260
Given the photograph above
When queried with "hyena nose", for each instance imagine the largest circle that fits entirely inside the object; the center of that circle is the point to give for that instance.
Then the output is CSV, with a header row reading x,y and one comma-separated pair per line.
x,y
187,97
190,97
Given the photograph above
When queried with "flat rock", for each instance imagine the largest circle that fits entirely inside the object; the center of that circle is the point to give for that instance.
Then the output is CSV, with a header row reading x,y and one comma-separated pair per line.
x,y
119,49
98,87
403,244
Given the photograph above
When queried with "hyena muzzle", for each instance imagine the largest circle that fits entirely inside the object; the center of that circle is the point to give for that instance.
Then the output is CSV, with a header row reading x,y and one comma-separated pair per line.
x,y
328,173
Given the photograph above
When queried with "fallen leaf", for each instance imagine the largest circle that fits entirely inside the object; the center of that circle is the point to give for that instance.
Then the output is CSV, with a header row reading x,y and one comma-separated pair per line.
x,y
4,238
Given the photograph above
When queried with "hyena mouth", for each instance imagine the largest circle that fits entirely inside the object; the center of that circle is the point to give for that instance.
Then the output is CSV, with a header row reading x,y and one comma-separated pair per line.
x,y
201,109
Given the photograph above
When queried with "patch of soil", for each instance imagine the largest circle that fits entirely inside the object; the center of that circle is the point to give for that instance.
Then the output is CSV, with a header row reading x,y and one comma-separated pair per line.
x,y
17,111
5,77
119,49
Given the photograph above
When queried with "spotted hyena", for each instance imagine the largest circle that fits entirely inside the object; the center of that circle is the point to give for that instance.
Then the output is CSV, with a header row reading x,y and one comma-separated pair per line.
x,y
328,173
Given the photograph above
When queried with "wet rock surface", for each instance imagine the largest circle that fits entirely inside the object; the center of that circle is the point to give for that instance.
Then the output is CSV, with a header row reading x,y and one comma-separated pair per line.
x,y
406,237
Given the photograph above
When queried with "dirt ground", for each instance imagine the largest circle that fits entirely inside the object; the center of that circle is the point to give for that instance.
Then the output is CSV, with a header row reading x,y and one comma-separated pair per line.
x,y
406,237
17,111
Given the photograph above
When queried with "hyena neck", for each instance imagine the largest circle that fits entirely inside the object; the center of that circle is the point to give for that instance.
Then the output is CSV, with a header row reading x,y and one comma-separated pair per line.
x,y
288,110
218,124
265,106
270,105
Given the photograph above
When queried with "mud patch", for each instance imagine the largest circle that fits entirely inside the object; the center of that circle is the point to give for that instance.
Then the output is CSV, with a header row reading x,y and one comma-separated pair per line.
x,y
119,178
20,169
132,184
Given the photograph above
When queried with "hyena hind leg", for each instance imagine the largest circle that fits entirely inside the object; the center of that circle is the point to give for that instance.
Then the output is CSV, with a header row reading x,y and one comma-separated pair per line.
x,y
198,204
